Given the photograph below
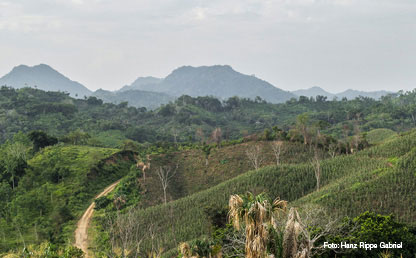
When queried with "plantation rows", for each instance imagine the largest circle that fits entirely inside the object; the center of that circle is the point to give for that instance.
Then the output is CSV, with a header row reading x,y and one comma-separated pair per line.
x,y
186,218
374,180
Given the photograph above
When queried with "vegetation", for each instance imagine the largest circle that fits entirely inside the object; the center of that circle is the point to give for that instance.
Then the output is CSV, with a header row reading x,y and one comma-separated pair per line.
x,y
51,190
178,165
346,189
109,125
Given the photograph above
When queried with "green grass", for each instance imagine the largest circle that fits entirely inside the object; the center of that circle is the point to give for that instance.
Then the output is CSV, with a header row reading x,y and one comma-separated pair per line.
x,y
380,135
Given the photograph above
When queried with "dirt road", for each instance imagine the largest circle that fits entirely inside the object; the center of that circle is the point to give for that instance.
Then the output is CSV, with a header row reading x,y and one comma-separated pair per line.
x,y
81,233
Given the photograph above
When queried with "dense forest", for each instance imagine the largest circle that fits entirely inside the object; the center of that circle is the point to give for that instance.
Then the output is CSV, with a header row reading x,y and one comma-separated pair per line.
x,y
108,125
201,177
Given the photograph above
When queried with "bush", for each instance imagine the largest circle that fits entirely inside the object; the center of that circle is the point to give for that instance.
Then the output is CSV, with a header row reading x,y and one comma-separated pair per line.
x,y
102,202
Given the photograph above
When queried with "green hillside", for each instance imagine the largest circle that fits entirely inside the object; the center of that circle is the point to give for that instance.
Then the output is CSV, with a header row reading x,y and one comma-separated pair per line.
x,y
193,174
377,136
56,188
373,179
57,153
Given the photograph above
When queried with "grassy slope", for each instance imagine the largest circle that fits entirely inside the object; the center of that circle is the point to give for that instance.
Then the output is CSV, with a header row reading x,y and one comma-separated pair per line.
x,y
38,201
193,175
389,189
379,179
380,135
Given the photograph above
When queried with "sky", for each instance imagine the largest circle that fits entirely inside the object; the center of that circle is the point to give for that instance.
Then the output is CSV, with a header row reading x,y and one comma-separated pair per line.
x,y
293,44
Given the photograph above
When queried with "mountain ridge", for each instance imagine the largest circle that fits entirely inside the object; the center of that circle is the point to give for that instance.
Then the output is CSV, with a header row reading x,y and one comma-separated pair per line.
x,y
218,80
134,97
348,93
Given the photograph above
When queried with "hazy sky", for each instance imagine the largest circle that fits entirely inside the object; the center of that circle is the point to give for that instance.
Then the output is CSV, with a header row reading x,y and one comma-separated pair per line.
x,y
335,44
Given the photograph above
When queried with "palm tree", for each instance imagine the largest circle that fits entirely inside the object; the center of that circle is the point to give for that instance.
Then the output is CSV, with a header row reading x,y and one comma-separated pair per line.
x,y
258,214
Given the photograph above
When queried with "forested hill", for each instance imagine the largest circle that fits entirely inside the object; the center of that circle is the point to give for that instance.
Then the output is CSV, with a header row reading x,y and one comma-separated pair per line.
x,y
58,114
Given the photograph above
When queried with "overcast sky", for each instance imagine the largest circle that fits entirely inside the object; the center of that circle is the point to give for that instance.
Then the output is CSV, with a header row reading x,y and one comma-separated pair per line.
x,y
293,44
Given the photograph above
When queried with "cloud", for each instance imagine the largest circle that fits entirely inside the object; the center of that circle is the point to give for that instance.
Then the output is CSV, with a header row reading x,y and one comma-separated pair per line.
x,y
292,43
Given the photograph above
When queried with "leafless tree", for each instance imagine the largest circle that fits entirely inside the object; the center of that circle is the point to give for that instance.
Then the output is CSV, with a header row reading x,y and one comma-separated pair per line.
x,y
316,163
254,155
277,147
314,216
165,174
332,149
199,134
217,136
125,234
175,134
234,244
356,137
156,251
298,240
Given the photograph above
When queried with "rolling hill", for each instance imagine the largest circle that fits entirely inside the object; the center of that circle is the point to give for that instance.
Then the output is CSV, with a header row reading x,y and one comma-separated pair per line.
x,y
45,78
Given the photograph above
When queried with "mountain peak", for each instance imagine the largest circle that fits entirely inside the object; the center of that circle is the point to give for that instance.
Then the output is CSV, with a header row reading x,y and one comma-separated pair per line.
x,y
213,68
44,77
313,92
221,81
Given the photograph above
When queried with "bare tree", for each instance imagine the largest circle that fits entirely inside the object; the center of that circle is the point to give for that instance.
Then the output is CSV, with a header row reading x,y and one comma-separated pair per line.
x,y
298,240
125,234
332,149
165,174
277,147
302,123
356,137
156,251
254,155
317,168
175,134
217,136
200,135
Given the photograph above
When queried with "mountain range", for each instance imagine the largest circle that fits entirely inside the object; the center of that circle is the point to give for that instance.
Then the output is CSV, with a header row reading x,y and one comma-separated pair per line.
x,y
220,81
349,94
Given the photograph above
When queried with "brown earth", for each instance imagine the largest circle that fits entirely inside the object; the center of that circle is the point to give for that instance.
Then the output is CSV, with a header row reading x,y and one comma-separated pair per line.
x,y
81,232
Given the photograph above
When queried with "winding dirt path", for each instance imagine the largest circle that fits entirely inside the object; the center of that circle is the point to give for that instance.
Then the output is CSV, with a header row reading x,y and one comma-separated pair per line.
x,y
81,233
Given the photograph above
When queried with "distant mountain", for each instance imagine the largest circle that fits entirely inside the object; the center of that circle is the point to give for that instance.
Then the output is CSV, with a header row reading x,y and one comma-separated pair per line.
x,y
45,78
135,98
352,94
142,82
313,92
349,94
219,81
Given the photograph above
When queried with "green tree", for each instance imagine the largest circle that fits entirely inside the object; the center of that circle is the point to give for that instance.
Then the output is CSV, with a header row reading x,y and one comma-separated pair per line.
x,y
15,155
40,140
302,123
